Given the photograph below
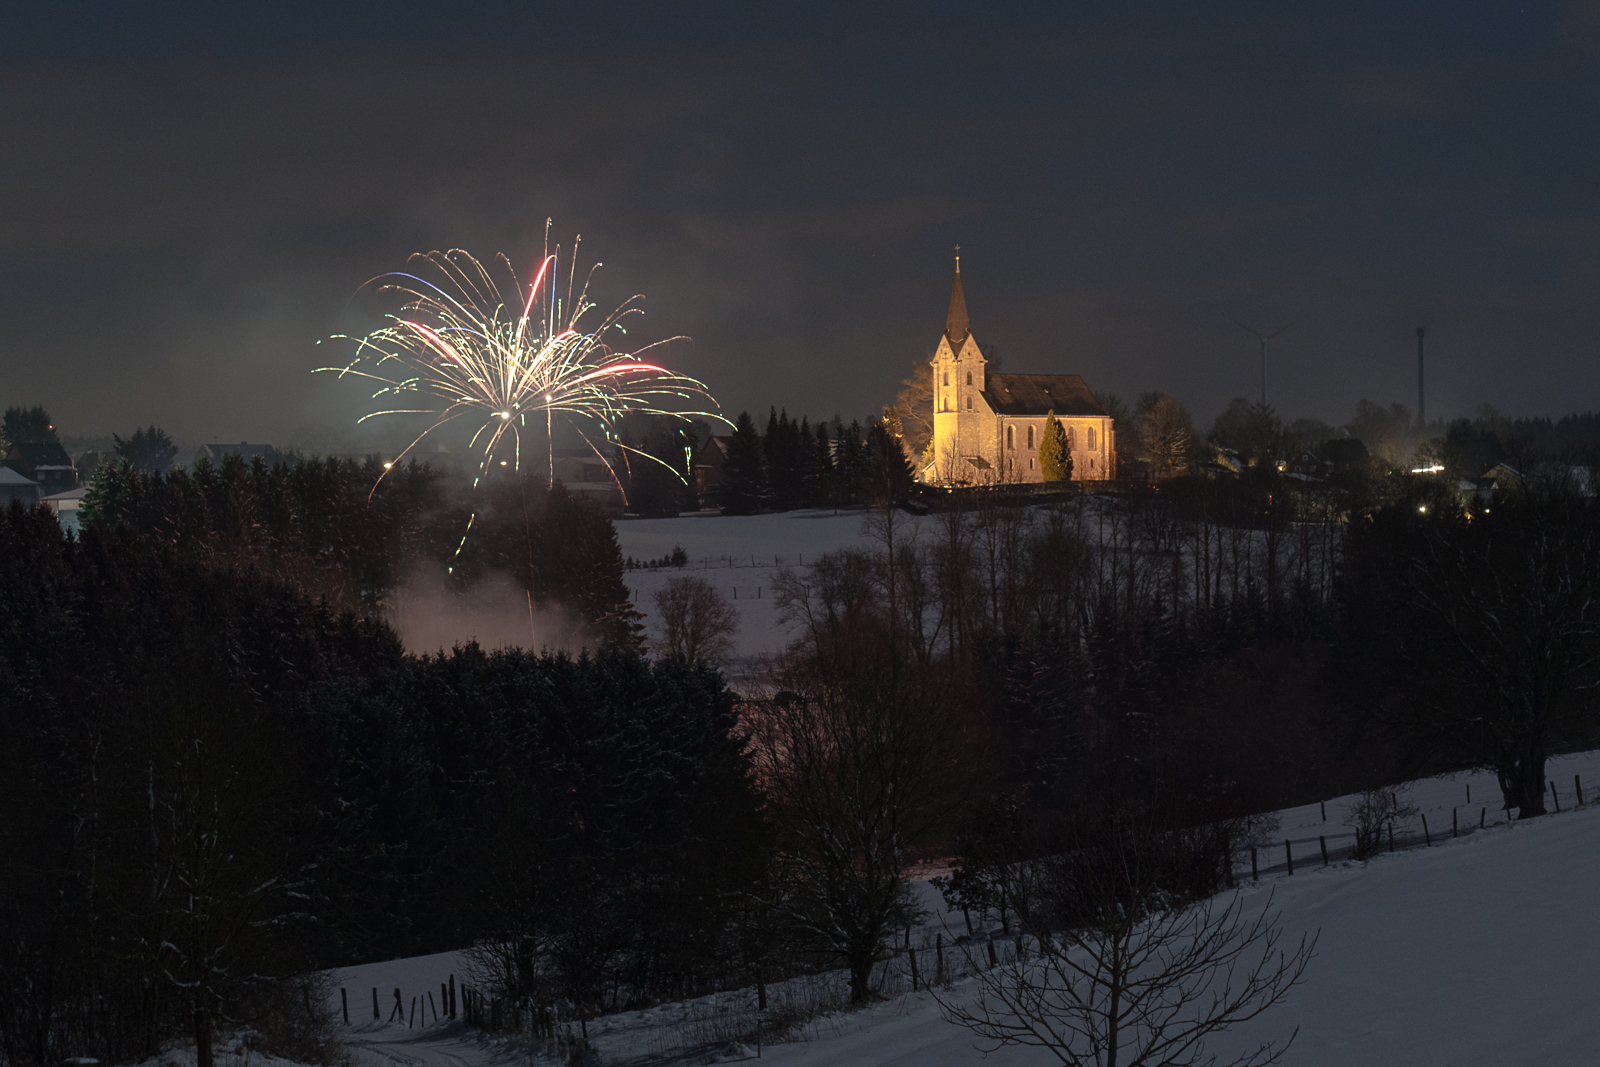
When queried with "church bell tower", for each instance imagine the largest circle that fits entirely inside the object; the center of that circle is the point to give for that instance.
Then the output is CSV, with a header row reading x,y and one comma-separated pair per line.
x,y
961,424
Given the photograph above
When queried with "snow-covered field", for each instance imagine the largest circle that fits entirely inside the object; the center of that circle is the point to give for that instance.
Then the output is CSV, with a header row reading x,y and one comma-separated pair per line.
x,y
739,554
1480,950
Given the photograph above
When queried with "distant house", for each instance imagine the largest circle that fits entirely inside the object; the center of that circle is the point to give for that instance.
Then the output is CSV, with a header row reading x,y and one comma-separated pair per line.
x,y
66,506
90,462
1342,453
585,474
17,486
709,460
46,463
1503,477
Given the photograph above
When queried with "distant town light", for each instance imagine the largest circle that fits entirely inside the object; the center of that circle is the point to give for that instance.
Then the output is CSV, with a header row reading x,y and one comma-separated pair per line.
x,y
1433,469
1422,508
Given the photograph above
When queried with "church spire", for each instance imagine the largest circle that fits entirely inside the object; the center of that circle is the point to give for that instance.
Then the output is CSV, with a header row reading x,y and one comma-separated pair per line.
x,y
956,326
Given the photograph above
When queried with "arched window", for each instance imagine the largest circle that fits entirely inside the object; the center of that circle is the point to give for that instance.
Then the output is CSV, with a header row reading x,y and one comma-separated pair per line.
x,y
947,377
1091,439
1011,441
1030,437
1072,438
969,377
969,403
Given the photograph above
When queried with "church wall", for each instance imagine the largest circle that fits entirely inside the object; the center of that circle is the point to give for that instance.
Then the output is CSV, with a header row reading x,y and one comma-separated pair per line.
x,y
1023,462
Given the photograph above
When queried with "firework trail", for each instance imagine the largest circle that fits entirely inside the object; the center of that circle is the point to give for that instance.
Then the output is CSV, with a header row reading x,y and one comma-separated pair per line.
x,y
459,349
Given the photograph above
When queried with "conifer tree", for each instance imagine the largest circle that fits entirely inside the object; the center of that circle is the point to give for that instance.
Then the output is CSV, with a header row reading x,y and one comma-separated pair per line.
x,y
849,465
888,472
745,489
1055,459
823,493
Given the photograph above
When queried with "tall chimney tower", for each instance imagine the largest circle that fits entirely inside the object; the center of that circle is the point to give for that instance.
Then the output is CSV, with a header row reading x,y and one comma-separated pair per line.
x,y
1422,408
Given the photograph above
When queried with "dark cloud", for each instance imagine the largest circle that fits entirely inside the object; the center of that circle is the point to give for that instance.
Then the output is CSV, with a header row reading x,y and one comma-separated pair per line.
x,y
183,224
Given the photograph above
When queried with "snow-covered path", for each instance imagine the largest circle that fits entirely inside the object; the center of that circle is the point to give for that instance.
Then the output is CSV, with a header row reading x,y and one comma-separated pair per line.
x,y
443,1044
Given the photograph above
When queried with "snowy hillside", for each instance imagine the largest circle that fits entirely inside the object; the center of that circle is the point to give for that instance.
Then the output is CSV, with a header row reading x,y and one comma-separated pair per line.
x,y
1479,950
739,554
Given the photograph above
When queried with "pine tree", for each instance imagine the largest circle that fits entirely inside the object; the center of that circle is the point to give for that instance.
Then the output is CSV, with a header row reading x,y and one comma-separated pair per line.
x,y
889,475
849,465
745,489
823,493
1055,459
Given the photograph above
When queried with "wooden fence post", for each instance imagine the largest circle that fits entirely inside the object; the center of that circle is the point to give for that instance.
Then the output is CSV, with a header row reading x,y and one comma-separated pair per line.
x,y
375,1015
1391,837
413,1020
1323,841
1255,875
913,954
399,1006
1427,837
452,996
1577,786
1555,796
993,960
1324,805
1288,855
434,1006
938,947
1481,816
1455,831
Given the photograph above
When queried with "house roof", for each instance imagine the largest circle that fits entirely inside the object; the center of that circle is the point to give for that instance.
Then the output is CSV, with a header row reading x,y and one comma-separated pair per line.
x,y
38,454
718,443
11,477
1038,394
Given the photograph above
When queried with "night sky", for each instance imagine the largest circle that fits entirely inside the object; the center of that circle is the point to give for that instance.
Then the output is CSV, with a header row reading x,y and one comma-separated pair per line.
x,y
192,196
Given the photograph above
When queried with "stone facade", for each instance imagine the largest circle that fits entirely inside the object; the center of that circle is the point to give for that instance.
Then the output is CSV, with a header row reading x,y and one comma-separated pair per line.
x,y
987,428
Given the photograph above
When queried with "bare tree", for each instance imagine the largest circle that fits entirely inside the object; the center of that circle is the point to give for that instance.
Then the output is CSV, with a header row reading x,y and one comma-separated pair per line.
x,y
1509,606
697,622
911,415
1376,809
860,763
1168,435
1137,978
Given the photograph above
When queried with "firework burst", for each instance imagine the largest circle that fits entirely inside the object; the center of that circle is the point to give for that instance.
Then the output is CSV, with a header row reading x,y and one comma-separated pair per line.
x,y
473,343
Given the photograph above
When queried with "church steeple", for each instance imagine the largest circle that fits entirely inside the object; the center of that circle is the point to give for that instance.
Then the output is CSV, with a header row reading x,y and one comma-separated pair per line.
x,y
956,325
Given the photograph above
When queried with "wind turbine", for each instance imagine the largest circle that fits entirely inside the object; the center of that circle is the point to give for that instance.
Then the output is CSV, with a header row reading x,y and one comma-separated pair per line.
x,y
1263,338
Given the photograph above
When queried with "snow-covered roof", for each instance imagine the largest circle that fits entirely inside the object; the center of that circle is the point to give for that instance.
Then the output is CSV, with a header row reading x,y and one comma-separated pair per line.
x,y
11,477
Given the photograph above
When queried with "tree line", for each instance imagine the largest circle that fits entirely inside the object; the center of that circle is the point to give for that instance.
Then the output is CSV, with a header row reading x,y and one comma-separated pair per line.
x,y
794,466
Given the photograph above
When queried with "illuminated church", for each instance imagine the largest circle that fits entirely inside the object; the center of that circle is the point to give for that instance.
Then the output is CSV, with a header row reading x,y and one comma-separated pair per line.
x,y
987,427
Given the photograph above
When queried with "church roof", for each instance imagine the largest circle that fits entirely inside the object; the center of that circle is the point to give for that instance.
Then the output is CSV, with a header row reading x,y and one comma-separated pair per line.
x,y
956,324
1037,394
